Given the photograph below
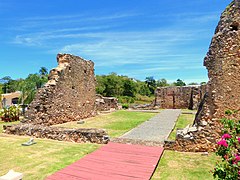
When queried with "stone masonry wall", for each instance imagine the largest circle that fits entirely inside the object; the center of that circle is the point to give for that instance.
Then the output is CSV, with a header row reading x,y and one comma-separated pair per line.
x,y
179,97
106,103
61,134
223,65
68,95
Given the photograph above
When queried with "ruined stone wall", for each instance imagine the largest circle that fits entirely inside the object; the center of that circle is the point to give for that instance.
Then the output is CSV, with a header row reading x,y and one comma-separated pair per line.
x,y
223,65
61,134
179,97
68,95
106,103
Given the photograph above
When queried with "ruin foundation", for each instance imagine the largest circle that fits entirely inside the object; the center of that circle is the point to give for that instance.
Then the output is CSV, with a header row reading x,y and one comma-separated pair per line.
x,y
106,103
61,134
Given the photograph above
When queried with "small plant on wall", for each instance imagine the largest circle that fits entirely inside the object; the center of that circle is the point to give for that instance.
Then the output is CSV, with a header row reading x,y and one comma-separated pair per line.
x,y
229,150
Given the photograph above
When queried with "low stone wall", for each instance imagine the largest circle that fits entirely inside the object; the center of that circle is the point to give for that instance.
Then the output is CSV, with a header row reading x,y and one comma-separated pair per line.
x,y
106,103
201,139
61,134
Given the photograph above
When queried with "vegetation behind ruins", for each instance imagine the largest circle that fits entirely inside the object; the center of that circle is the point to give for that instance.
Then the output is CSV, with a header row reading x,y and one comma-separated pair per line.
x,y
126,89
27,86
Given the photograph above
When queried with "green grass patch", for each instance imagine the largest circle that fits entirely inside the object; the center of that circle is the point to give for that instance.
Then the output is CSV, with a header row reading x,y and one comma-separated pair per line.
x,y
185,166
116,123
182,122
40,160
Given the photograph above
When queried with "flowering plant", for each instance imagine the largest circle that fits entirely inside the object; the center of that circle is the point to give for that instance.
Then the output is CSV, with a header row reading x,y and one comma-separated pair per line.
x,y
229,150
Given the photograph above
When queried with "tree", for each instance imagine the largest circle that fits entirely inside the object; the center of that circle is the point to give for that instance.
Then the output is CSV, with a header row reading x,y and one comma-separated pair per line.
x,y
100,86
179,83
8,84
29,86
129,88
162,82
43,71
151,83
113,85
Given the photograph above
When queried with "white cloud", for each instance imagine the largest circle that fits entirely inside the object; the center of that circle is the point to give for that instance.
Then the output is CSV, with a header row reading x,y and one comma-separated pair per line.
x,y
112,45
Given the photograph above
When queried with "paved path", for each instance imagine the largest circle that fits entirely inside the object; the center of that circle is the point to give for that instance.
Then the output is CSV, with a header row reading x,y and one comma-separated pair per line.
x,y
155,129
113,161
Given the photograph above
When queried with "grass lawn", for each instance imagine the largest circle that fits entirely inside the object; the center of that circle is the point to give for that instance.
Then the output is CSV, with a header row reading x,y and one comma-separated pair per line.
x,y
47,156
185,166
182,122
40,160
116,123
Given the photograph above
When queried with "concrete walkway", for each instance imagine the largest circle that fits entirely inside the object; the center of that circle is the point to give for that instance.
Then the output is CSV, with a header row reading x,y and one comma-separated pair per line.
x,y
156,129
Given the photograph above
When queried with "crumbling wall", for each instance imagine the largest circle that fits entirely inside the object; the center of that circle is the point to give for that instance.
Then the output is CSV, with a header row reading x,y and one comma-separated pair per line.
x,y
82,135
68,95
106,103
179,97
223,64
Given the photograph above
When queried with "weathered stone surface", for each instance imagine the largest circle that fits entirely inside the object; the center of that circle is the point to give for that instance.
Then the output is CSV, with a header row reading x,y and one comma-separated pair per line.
x,y
61,134
223,65
106,103
69,95
179,97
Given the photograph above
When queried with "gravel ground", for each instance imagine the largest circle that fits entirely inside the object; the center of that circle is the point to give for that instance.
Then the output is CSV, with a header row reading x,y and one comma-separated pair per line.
x,y
155,129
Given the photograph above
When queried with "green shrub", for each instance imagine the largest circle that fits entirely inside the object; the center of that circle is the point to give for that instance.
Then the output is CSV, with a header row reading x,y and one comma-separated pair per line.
x,y
10,114
125,106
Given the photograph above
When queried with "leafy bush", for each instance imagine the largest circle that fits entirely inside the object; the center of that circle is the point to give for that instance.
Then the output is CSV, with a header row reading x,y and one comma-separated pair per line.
x,y
229,150
10,114
125,106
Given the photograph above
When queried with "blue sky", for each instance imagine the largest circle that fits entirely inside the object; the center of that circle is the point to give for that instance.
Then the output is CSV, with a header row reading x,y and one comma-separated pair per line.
x,y
138,38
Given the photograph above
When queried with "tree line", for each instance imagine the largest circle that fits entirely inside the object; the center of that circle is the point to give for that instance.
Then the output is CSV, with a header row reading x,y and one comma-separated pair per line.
x,y
116,85
111,85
